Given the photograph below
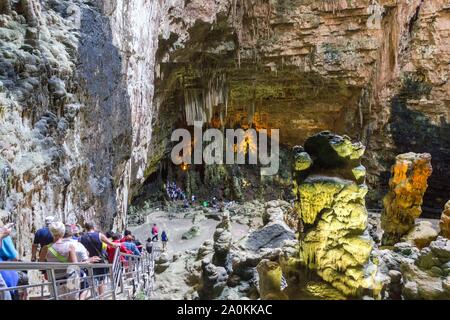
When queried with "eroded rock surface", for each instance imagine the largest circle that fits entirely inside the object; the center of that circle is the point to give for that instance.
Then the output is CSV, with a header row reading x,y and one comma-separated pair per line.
x,y
429,277
74,115
330,194
402,204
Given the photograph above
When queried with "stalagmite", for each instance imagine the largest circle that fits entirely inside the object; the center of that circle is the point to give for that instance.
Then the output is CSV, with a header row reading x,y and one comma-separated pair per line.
x,y
330,190
402,204
270,277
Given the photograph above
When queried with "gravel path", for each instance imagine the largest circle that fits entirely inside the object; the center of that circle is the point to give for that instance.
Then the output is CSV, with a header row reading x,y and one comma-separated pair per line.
x,y
175,227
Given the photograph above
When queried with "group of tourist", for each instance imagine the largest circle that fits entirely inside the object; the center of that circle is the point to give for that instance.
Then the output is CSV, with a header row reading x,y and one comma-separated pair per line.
x,y
174,192
57,242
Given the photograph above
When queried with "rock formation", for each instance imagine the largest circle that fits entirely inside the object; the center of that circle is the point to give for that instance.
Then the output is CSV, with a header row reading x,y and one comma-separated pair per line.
x,y
214,280
330,194
429,277
275,231
222,241
444,224
270,280
402,204
421,235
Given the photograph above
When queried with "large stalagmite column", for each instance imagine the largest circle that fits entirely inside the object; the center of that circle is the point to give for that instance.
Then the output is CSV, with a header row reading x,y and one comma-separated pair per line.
x,y
330,189
402,204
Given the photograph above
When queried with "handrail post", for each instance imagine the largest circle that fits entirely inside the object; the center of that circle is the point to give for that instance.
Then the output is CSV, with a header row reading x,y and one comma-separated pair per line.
x,y
113,276
52,279
91,276
113,283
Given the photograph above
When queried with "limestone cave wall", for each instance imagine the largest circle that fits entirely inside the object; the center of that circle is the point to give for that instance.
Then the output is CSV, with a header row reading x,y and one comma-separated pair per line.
x,y
76,89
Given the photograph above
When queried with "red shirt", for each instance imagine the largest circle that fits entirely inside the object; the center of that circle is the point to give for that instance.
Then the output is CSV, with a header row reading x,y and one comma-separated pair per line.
x,y
111,251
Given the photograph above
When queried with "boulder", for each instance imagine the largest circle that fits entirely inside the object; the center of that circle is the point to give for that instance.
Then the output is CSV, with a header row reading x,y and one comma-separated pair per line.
x,y
162,263
191,233
444,224
421,235
271,235
421,285
214,281
428,277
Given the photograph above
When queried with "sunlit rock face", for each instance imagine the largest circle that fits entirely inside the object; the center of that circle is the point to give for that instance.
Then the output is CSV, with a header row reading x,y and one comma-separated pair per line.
x,y
402,204
330,190
444,224
76,89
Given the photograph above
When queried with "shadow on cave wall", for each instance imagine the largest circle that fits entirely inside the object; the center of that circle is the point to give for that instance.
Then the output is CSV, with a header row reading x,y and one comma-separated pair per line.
x,y
413,131
107,117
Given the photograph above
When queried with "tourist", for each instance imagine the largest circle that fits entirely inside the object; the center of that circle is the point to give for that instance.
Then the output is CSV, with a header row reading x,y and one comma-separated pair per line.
x,y
149,245
42,238
126,235
8,251
63,252
93,241
8,278
155,232
4,295
164,240
82,256
76,231
138,244
131,246
80,250
116,238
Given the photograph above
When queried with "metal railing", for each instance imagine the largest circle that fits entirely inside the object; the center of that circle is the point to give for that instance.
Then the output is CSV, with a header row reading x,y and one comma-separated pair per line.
x,y
86,281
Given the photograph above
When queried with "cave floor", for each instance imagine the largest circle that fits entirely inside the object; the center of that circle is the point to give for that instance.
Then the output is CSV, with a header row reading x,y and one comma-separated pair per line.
x,y
175,227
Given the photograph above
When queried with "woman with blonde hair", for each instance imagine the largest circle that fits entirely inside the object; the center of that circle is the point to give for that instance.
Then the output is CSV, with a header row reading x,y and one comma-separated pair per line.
x,y
63,252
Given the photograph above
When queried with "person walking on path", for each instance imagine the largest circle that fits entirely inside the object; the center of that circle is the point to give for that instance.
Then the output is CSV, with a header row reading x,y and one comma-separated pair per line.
x,y
155,232
93,241
42,238
164,240
149,245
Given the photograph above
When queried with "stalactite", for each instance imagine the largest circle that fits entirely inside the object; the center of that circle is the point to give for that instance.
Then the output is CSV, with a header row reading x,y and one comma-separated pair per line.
x,y
200,102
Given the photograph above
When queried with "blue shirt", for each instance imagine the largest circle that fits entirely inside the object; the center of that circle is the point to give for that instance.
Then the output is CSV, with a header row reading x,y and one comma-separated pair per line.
x,y
11,277
7,250
43,237
132,247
